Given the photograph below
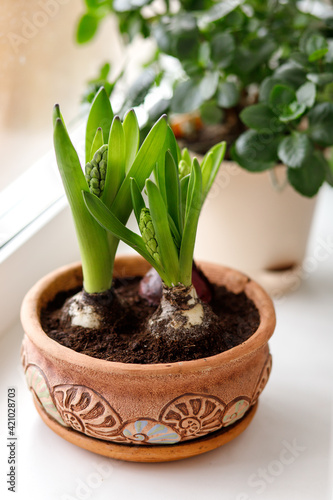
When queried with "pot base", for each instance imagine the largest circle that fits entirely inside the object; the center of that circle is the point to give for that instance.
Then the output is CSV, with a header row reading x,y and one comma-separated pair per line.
x,y
146,453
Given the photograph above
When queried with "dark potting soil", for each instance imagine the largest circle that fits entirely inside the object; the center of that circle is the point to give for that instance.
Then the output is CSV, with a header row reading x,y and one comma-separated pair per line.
x,y
128,341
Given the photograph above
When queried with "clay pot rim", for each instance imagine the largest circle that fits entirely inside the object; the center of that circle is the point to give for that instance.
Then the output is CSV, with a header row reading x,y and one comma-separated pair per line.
x,y
30,312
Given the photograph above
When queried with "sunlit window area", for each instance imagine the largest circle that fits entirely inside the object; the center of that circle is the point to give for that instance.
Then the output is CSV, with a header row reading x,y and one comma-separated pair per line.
x,y
38,59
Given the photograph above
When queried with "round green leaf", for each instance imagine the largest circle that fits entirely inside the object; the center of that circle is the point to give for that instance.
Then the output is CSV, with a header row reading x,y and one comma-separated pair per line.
x,y
294,149
292,112
306,94
260,116
139,89
249,164
87,28
178,35
251,56
208,85
329,55
308,179
266,88
320,78
280,98
321,124
316,47
256,151
216,12
228,95
299,58
186,46
305,37
283,102
291,74
222,49
329,170
186,97
204,53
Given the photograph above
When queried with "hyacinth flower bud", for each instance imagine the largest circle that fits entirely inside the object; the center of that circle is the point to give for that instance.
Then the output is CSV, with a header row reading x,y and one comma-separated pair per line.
x,y
95,171
148,234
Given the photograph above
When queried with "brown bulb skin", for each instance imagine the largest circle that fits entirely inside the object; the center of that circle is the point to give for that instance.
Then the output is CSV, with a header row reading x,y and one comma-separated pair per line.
x,y
151,287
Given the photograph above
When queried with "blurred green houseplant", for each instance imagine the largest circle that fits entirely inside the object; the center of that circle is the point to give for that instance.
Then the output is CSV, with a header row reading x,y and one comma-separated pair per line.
x,y
265,65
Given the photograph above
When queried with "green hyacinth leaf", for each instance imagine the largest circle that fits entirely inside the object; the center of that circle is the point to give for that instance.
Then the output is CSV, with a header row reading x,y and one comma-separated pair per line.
x,y
193,208
132,138
96,261
168,252
137,200
116,162
100,116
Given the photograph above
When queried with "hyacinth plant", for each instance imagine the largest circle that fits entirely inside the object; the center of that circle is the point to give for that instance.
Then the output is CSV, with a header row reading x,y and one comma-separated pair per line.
x,y
168,228
112,158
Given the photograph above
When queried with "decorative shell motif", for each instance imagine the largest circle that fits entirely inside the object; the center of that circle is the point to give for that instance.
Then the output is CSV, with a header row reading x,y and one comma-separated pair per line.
x,y
149,431
38,385
86,411
188,416
193,415
235,410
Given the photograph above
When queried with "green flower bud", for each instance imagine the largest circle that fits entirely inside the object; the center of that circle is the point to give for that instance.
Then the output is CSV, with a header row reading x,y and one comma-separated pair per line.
x,y
152,244
95,171
148,234
94,174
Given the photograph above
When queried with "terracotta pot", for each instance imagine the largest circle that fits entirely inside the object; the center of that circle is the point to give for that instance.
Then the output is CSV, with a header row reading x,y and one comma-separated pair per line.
x,y
247,224
172,410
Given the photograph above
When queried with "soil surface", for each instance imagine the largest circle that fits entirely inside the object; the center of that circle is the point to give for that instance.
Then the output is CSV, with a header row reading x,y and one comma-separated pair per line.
x,y
129,341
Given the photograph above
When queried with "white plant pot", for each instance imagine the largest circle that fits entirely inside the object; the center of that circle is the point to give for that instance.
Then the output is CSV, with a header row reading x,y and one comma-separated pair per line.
x,y
248,224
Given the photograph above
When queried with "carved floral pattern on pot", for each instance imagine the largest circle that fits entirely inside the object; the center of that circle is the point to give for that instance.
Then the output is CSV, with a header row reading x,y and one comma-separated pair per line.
x,y
86,411
38,385
263,378
194,415
149,431
235,410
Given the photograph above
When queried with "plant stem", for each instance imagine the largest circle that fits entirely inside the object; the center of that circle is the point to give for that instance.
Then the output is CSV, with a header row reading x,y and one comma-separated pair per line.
x,y
278,186
96,260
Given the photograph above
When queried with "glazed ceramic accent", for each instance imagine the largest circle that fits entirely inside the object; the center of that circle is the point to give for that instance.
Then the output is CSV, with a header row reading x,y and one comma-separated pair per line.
x,y
38,385
235,411
150,432
144,404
